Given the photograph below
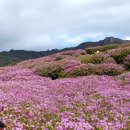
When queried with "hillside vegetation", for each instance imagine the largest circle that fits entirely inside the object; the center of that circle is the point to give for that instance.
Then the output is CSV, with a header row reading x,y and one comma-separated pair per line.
x,y
71,90
14,56
102,60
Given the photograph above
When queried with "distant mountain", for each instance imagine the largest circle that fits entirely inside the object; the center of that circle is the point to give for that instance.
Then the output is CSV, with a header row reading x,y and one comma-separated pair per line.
x,y
14,56
106,41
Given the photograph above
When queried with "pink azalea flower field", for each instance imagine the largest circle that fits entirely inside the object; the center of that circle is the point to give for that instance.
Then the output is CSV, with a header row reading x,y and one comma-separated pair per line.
x,y
91,92
31,102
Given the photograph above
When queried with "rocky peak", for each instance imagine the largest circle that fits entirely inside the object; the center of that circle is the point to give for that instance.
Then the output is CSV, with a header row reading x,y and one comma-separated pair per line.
x,y
111,40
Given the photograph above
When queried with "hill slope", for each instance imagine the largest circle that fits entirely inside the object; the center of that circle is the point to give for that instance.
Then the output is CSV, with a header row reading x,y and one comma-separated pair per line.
x,y
13,56
90,91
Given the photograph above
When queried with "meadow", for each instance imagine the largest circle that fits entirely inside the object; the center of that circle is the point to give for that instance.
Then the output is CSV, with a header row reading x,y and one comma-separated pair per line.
x,y
72,90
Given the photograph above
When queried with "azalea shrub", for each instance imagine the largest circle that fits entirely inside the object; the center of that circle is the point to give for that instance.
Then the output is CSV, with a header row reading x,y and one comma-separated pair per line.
x,y
73,52
109,60
83,70
53,72
56,70
120,54
92,50
127,61
100,69
109,69
74,70
69,64
97,59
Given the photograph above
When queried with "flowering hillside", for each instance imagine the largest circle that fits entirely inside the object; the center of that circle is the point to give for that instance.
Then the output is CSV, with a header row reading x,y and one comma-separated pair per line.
x,y
88,93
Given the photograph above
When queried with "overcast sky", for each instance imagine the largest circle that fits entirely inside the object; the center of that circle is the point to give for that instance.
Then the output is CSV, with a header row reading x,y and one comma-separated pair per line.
x,y
46,24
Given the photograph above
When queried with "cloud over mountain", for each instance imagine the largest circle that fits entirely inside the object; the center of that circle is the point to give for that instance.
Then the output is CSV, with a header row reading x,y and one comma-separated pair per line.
x,y
41,24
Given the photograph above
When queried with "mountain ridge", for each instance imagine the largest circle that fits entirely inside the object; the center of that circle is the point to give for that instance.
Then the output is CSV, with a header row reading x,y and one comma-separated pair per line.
x,y
13,56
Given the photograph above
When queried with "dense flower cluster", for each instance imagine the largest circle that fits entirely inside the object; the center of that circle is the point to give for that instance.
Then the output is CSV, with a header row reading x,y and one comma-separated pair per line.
x,y
127,61
69,65
73,52
100,69
109,69
119,54
31,102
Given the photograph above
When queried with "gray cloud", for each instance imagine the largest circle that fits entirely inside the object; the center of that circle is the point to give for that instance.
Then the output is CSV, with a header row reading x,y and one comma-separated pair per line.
x,y
47,24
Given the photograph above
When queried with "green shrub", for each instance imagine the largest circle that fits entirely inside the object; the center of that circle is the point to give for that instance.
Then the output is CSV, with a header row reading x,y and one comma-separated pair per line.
x,y
82,71
94,59
92,50
13,62
119,56
127,62
108,47
62,74
44,72
53,73
85,59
